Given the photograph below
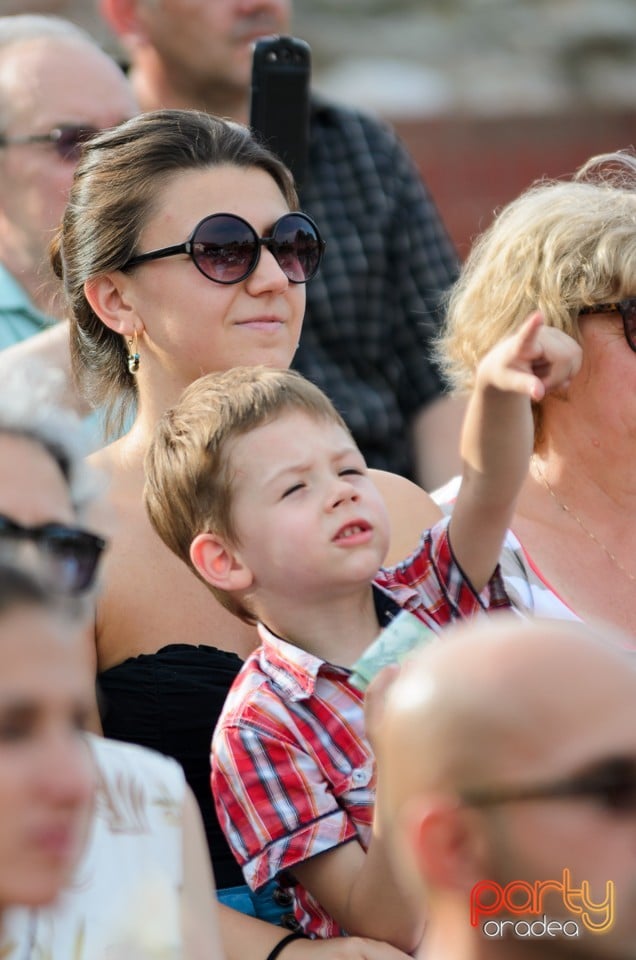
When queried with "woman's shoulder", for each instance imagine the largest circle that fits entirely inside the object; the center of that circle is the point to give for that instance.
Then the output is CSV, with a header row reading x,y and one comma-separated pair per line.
x,y
411,511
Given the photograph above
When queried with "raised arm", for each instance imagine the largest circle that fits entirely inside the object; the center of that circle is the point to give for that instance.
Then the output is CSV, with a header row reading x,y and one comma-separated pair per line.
x,y
498,438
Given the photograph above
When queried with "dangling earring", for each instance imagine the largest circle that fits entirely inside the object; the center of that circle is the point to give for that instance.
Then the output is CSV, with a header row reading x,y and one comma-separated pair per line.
x,y
133,356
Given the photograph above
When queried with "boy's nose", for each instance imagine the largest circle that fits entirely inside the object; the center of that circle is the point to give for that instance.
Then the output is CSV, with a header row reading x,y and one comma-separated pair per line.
x,y
343,492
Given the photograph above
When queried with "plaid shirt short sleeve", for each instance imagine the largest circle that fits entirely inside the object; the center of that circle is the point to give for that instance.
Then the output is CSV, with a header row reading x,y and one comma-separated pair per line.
x,y
431,584
293,774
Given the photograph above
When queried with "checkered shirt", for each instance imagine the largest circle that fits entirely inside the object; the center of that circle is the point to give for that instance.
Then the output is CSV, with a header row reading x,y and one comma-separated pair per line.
x,y
374,307
293,774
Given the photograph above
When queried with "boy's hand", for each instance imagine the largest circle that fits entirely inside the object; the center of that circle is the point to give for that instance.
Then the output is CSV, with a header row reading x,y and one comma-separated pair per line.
x,y
533,361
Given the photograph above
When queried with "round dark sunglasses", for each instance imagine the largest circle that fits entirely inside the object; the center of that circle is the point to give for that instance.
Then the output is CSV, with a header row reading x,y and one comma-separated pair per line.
x,y
225,248
68,556
67,140
627,310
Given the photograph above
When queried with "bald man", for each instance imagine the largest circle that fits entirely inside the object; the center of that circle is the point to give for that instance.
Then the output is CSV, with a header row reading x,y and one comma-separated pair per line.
x,y
507,764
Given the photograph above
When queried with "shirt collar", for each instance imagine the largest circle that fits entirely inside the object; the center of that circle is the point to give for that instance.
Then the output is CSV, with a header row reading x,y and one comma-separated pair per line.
x,y
296,671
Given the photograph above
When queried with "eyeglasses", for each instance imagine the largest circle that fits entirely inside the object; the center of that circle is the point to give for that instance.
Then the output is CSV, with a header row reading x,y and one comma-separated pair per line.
x,y
225,248
67,140
612,782
69,555
627,310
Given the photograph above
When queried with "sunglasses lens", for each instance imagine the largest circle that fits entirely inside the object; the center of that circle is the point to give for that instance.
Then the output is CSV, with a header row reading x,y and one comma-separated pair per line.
x,y
224,248
64,557
297,247
71,139
617,785
72,558
628,310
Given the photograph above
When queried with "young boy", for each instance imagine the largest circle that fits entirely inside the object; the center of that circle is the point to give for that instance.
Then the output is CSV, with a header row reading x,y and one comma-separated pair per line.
x,y
255,481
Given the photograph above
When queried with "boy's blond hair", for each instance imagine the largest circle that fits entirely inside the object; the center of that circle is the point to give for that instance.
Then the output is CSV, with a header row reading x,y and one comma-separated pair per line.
x,y
189,477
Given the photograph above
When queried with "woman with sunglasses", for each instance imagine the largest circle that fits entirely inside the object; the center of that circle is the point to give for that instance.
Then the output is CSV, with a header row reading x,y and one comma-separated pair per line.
x,y
145,829
568,249
182,252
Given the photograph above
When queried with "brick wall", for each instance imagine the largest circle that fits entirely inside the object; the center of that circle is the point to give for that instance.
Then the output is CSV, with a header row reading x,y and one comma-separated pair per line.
x,y
474,165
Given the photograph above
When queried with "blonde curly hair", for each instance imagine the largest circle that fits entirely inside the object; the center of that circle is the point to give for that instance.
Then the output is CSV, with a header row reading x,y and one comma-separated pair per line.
x,y
561,246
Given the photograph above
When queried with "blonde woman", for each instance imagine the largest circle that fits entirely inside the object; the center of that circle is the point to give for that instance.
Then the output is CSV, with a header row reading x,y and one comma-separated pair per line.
x,y
567,249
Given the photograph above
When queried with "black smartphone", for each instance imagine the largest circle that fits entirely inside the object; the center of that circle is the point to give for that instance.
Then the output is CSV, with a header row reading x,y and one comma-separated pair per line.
x,y
279,111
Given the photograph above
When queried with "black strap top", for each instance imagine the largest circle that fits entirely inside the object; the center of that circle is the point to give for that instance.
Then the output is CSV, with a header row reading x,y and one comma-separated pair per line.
x,y
170,701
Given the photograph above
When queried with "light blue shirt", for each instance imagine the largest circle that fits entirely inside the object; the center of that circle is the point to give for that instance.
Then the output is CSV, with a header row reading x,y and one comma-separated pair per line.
x,y
19,319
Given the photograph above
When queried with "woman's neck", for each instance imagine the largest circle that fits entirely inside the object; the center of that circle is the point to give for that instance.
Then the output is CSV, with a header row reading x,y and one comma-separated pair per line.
x,y
585,461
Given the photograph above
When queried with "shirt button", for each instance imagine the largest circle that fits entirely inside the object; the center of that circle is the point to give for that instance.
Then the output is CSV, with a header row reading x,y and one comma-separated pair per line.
x,y
282,897
289,920
359,776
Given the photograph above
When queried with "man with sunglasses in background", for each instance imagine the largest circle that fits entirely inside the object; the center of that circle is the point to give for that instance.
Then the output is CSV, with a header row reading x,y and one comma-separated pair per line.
x,y
507,759
57,88
374,308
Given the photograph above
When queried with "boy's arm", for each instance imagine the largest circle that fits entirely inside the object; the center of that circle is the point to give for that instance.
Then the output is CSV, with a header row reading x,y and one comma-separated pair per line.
x,y
498,438
281,813
362,892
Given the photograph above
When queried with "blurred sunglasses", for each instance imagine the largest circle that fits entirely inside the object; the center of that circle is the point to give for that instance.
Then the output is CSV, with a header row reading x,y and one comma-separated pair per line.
x,y
627,310
68,556
611,782
225,248
67,139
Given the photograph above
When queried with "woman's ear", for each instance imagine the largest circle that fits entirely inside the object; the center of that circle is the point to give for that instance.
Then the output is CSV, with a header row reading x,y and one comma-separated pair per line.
x,y
107,297
218,564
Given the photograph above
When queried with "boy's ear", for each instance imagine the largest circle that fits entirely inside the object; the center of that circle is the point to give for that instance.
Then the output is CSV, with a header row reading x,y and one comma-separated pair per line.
x,y
107,297
218,564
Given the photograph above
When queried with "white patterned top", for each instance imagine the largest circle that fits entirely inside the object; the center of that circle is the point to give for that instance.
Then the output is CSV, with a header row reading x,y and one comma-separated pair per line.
x,y
529,592
124,898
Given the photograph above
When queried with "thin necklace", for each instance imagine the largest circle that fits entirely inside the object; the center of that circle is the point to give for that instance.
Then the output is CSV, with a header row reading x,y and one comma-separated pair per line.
x,y
564,507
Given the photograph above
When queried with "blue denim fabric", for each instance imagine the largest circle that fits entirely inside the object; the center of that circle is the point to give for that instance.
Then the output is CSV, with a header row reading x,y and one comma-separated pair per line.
x,y
261,904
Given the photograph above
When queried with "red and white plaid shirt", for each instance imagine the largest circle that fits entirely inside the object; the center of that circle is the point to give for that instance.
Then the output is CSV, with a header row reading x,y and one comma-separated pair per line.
x,y
293,774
